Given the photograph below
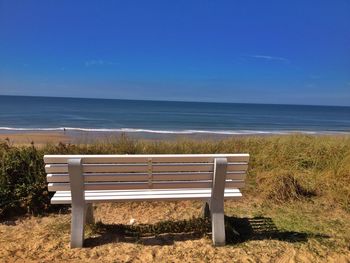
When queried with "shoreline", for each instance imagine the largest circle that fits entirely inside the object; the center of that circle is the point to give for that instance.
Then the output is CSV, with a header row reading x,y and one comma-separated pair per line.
x,y
226,132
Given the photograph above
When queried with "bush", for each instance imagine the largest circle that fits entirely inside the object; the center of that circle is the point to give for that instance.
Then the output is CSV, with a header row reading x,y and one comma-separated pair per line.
x,y
22,180
281,186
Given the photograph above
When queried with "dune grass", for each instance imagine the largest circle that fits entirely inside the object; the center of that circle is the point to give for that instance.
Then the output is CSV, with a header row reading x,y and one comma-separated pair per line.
x,y
282,168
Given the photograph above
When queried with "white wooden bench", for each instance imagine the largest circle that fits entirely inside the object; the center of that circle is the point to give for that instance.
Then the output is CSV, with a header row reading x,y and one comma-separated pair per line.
x,y
81,180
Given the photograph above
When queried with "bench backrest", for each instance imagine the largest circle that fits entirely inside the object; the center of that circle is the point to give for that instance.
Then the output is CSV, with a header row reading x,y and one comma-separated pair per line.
x,y
160,171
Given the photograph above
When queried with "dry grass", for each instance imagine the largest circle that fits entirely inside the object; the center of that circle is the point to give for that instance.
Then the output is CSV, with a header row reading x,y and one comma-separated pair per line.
x,y
296,207
280,186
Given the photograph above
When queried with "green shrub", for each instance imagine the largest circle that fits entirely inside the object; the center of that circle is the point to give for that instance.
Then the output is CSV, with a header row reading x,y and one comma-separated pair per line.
x,y
22,180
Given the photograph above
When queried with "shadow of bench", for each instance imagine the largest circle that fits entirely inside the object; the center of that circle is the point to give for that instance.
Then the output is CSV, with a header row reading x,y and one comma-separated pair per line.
x,y
238,230
244,229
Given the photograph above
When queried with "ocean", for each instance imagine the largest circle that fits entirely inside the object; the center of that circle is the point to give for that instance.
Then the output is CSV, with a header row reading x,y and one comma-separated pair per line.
x,y
21,113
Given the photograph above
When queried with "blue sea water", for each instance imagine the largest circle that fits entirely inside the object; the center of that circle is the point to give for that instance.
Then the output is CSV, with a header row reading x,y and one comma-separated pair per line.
x,y
46,113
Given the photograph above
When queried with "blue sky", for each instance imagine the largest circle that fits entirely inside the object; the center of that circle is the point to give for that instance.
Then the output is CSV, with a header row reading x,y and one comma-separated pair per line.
x,y
293,52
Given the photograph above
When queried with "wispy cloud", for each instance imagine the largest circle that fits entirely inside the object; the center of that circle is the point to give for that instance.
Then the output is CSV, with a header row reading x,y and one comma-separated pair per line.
x,y
269,58
98,62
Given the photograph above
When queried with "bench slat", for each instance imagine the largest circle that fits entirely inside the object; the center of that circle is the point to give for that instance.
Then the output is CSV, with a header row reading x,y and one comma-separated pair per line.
x,y
145,185
144,192
113,177
61,197
171,167
143,158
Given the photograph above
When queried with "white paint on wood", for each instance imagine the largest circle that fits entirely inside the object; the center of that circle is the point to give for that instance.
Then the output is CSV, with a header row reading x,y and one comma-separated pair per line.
x,y
146,192
145,185
124,158
164,195
122,168
137,177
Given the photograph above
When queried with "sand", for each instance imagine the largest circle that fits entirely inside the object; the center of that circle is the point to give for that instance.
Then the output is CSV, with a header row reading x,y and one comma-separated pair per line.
x,y
39,138
46,239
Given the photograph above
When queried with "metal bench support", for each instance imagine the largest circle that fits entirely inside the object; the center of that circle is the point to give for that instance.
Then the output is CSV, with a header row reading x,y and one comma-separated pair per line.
x,y
78,202
217,202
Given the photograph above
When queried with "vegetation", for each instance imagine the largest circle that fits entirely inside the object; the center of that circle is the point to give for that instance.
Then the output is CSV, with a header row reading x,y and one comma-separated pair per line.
x,y
282,168
296,206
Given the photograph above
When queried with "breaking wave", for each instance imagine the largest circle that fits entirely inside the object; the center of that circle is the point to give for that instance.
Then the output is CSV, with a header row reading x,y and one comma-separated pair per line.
x,y
134,130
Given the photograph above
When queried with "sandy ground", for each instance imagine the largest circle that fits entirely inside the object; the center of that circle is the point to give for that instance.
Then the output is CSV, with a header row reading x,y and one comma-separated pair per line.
x,y
46,239
77,137
41,138
37,138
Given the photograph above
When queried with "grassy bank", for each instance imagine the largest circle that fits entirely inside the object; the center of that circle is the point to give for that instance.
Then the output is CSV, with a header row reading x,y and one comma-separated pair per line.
x,y
281,168
295,206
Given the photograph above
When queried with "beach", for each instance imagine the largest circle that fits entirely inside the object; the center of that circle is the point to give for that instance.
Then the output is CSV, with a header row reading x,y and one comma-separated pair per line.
x,y
38,138
175,131
295,205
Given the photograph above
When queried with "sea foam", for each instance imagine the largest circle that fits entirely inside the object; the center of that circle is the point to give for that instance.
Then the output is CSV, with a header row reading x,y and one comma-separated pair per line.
x,y
189,132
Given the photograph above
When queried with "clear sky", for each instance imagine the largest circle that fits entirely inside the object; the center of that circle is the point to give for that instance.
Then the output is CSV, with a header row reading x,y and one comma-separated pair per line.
x,y
294,52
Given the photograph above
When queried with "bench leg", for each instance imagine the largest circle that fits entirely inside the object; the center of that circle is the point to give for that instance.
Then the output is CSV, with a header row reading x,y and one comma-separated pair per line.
x,y
89,214
77,226
78,202
206,210
217,202
218,229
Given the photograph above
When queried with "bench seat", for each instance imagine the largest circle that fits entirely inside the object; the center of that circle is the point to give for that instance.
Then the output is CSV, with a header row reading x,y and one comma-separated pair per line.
x,y
64,197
